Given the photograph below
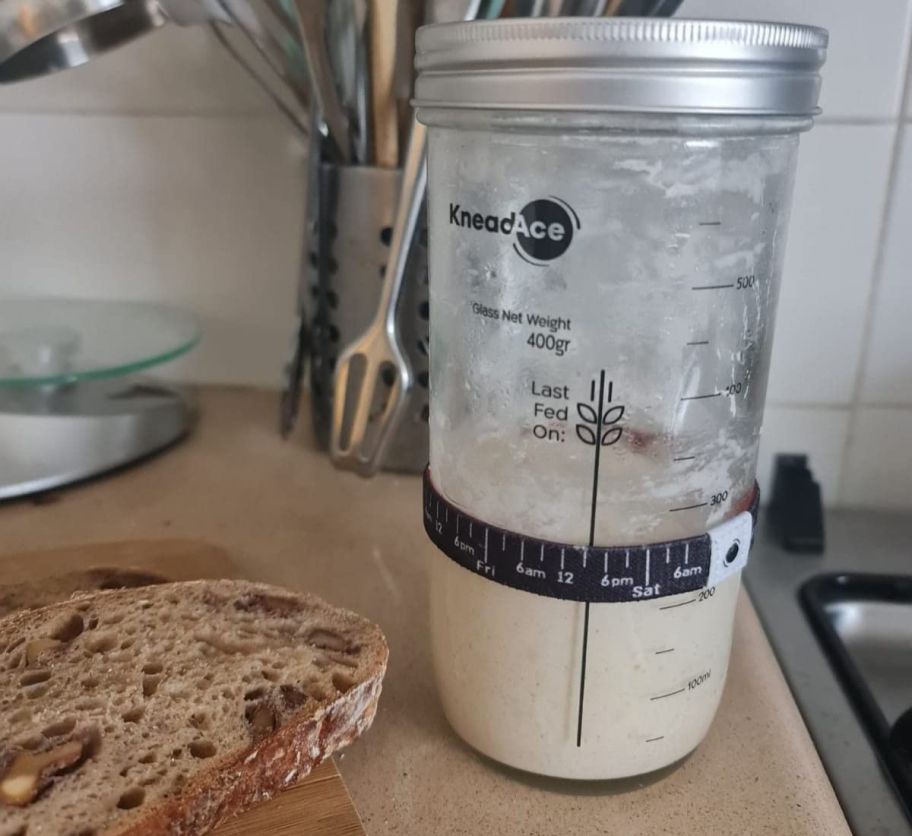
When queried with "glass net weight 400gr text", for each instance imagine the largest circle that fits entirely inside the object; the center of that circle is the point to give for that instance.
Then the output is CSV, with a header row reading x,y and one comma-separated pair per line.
x,y
543,328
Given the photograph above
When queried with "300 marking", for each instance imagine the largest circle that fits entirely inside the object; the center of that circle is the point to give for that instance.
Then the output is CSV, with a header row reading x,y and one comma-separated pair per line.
x,y
718,498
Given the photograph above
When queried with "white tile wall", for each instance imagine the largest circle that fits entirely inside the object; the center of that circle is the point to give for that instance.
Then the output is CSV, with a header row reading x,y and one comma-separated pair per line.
x,y
160,172
172,70
908,113
878,469
888,372
202,212
827,276
843,335
819,433
869,42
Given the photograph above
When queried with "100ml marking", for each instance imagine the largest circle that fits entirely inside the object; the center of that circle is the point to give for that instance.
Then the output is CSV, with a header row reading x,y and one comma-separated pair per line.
x,y
697,681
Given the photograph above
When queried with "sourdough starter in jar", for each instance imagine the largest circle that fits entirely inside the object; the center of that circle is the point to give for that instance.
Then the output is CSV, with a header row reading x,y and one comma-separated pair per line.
x,y
603,290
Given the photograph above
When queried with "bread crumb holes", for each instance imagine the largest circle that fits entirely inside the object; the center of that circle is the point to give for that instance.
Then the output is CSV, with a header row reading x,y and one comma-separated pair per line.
x,y
131,799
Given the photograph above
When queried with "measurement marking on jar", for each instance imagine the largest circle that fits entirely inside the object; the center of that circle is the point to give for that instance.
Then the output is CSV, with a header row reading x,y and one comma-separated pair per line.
x,y
626,558
684,458
648,555
688,507
697,681
666,650
654,739
710,223
713,286
698,342
669,694
487,531
682,604
702,397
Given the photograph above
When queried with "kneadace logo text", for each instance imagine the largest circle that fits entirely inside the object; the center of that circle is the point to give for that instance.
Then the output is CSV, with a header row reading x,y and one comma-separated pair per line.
x,y
543,228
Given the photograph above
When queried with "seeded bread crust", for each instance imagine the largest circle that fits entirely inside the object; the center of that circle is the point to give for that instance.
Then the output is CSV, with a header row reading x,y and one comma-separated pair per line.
x,y
307,677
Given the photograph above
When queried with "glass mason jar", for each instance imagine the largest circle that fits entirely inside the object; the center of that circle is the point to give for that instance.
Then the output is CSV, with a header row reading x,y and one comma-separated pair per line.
x,y
607,207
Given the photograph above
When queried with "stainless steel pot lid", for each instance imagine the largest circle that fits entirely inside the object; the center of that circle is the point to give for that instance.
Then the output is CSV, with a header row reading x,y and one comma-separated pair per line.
x,y
42,36
664,65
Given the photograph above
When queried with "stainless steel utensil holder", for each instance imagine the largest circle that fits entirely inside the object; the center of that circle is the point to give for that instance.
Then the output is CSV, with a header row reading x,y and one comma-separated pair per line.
x,y
351,213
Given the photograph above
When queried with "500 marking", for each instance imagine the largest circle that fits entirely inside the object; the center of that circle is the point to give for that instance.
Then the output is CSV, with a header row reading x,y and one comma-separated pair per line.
x,y
746,282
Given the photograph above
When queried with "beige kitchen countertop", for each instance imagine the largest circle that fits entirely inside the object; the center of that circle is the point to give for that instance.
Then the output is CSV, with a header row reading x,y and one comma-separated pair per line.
x,y
286,516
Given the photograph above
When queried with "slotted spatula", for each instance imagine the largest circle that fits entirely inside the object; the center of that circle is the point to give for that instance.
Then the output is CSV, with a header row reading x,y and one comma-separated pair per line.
x,y
373,377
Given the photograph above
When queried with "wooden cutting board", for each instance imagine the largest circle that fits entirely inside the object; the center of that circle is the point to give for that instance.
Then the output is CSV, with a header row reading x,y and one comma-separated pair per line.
x,y
320,804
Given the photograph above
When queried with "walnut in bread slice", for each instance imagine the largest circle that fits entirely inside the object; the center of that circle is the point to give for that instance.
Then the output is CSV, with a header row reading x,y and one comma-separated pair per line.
x,y
168,708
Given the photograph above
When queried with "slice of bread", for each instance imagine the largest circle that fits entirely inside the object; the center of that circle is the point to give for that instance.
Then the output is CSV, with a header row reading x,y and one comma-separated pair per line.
x,y
166,709
39,593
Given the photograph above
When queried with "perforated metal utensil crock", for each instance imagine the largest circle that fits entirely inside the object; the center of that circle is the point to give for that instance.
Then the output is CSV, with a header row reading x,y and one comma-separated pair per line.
x,y
351,220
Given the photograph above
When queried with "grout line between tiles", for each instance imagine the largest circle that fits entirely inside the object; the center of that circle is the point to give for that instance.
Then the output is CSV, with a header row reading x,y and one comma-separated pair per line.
x,y
856,121
818,406
810,406
876,282
256,112
138,113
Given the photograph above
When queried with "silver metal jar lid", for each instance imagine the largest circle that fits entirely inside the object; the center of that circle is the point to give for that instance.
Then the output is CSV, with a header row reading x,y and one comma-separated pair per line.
x,y
656,65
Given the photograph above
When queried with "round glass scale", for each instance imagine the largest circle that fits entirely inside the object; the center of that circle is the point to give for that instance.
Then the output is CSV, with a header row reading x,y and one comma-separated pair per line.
x,y
72,400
